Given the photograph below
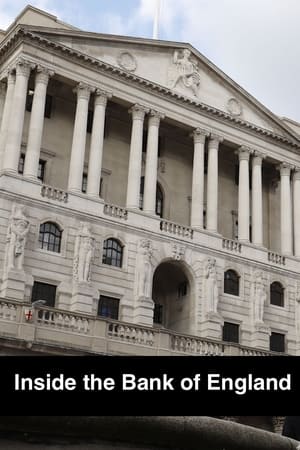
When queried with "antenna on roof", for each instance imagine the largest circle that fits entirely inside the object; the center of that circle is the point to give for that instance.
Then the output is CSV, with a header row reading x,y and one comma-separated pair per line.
x,y
156,20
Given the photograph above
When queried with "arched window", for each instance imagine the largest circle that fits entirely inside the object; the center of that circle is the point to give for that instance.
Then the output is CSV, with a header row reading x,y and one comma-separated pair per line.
x,y
277,294
159,202
112,253
231,282
50,237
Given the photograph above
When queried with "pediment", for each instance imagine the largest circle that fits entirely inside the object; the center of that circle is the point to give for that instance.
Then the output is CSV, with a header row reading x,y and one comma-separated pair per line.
x,y
178,67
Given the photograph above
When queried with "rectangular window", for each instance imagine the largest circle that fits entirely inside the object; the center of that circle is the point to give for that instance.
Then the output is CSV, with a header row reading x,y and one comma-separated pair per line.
x,y
158,314
231,332
41,168
277,342
44,291
48,103
108,307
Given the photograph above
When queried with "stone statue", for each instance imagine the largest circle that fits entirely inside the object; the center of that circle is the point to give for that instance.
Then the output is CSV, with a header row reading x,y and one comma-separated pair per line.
x,y
144,269
211,286
185,69
16,238
83,254
260,297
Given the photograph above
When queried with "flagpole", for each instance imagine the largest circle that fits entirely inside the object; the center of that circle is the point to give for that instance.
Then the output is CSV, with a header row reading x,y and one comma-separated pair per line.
x,y
156,20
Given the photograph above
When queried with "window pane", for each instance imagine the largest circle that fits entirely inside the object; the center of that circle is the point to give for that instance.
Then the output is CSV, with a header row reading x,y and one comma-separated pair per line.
x,y
158,314
277,294
108,307
50,237
112,253
230,332
231,282
44,291
277,342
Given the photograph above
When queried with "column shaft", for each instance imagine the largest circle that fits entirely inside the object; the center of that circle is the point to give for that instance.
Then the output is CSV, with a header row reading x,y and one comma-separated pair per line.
x,y
96,149
257,207
151,163
11,80
244,200
79,138
36,123
212,184
296,198
15,128
285,209
198,179
135,157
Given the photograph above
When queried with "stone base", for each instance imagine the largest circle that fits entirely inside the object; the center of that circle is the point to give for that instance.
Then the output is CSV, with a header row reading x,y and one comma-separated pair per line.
x,y
211,326
143,312
83,298
260,337
13,285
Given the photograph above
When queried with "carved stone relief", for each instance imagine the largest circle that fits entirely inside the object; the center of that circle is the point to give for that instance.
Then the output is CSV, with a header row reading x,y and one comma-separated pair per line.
x,y
16,238
211,290
178,252
127,61
234,107
259,297
144,269
83,254
184,70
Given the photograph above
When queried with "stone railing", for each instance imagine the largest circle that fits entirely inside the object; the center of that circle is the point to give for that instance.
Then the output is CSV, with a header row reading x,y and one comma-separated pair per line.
x,y
232,245
63,321
54,193
178,230
130,333
276,258
115,211
195,345
77,332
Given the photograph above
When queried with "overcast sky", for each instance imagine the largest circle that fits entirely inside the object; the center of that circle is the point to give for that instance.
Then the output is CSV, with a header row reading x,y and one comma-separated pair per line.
x,y
255,42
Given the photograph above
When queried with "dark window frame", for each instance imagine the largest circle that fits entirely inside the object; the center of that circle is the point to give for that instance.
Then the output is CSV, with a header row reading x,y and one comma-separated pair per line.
x,y
231,332
231,283
277,342
158,314
277,294
108,307
50,237
42,291
41,167
112,252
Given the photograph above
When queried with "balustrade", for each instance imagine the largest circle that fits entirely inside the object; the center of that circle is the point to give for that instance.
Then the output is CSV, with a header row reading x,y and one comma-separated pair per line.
x,y
115,211
232,245
177,229
131,333
54,193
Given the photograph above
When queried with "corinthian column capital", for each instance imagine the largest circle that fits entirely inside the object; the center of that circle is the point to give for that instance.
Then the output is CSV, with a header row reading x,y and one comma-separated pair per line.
x,y
285,169
138,112
43,74
199,135
24,67
83,90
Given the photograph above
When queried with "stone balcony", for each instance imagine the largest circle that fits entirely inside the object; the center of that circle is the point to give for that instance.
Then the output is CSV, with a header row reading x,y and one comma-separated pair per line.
x,y
52,330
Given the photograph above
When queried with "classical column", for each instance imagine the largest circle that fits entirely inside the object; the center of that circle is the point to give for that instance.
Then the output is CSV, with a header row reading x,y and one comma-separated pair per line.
x,y
285,209
96,149
36,123
135,158
151,162
257,207
199,136
16,121
296,197
83,92
244,193
11,80
212,183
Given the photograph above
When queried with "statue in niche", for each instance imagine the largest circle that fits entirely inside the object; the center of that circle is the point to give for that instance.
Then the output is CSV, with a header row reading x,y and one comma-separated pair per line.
x,y
260,297
16,238
184,69
144,269
211,286
83,254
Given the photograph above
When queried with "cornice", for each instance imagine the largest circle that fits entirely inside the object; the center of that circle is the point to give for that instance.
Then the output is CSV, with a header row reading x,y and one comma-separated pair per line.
x,y
21,32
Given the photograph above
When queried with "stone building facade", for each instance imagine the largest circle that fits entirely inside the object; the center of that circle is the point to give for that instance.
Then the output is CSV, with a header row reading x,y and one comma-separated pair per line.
x,y
148,203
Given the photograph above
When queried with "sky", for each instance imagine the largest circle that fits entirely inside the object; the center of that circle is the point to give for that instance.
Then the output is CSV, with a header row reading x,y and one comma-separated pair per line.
x,y
255,42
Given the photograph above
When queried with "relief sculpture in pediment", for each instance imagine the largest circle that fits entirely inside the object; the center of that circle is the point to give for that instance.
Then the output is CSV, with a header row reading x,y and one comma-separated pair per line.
x,y
185,70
